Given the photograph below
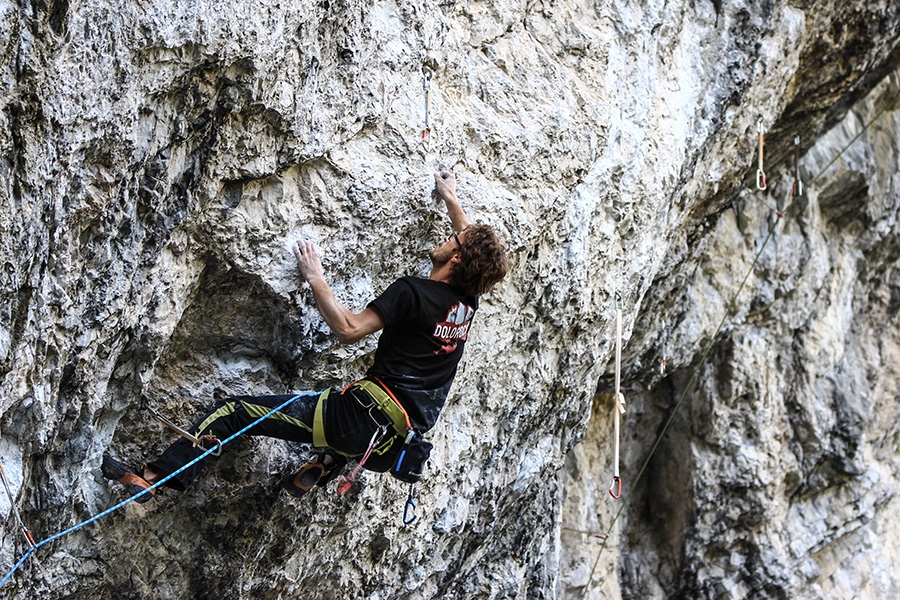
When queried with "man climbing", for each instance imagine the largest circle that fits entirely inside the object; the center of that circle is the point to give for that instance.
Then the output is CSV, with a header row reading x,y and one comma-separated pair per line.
x,y
425,325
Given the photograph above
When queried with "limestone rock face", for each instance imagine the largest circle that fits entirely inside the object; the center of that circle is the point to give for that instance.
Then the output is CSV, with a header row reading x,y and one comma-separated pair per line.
x,y
159,159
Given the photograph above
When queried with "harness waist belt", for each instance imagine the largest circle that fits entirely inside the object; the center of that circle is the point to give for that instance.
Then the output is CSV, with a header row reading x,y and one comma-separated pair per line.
x,y
387,403
384,399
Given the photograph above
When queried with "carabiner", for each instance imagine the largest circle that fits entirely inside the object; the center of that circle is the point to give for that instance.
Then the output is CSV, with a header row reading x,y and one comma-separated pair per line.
x,y
216,443
760,180
617,483
410,503
407,520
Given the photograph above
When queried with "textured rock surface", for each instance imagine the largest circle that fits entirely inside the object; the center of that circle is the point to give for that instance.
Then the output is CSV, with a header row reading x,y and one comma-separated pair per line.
x,y
159,158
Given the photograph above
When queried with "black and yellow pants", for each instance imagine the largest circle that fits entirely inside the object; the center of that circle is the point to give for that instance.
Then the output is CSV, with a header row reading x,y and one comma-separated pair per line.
x,y
293,423
350,425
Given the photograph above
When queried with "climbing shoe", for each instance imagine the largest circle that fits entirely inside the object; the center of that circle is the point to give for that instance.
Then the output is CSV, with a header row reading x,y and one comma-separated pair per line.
x,y
134,483
313,472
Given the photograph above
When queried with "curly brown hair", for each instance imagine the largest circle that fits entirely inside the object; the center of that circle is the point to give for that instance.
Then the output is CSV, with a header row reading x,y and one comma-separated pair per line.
x,y
483,261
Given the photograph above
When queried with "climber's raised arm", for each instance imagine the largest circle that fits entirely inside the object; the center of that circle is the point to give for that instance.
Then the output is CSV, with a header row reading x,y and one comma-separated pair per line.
x,y
349,327
445,184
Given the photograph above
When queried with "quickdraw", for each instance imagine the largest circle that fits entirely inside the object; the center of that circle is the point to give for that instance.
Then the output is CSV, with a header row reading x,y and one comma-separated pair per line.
x,y
346,481
426,86
205,441
15,509
760,173
620,404
797,190
310,93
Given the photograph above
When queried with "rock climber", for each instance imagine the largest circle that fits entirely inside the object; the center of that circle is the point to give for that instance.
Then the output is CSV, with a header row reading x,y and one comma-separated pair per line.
x,y
425,325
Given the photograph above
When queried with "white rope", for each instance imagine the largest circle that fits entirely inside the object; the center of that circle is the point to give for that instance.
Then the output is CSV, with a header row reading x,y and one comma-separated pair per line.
x,y
620,403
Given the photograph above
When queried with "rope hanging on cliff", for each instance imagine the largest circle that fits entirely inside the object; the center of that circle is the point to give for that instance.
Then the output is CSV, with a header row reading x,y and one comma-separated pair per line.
x,y
619,408
113,509
789,203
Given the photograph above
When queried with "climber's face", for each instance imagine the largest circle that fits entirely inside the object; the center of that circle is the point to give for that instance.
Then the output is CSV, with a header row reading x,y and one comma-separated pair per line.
x,y
451,246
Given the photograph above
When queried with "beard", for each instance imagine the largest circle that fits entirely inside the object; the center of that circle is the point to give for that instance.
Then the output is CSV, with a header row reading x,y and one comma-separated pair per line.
x,y
440,258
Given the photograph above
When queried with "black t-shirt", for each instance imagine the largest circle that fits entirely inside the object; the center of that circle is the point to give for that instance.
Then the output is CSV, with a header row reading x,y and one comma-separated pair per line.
x,y
426,324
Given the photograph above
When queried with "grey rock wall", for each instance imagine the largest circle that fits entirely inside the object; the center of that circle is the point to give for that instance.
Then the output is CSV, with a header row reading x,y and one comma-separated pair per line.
x,y
158,160
777,475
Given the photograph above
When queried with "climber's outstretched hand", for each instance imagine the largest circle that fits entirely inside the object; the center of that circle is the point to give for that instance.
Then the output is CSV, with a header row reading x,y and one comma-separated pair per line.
x,y
309,261
445,186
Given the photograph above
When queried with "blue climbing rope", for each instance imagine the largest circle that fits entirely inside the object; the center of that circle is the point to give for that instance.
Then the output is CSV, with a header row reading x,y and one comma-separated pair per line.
x,y
147,490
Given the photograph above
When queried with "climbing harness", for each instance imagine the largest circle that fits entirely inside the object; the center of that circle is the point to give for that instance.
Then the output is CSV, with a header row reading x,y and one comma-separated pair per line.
x,y
162,481
15,509
797,190
383,402
760,174
620,404
408,463
414,451
410,506
346,481
426,86
206,441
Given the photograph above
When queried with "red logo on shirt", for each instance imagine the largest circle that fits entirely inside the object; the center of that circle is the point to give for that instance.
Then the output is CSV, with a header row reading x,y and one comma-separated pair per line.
x,y
454,328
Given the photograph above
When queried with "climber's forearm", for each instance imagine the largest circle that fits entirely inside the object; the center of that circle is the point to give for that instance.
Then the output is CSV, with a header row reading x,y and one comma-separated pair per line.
x,y
457,216
349,327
